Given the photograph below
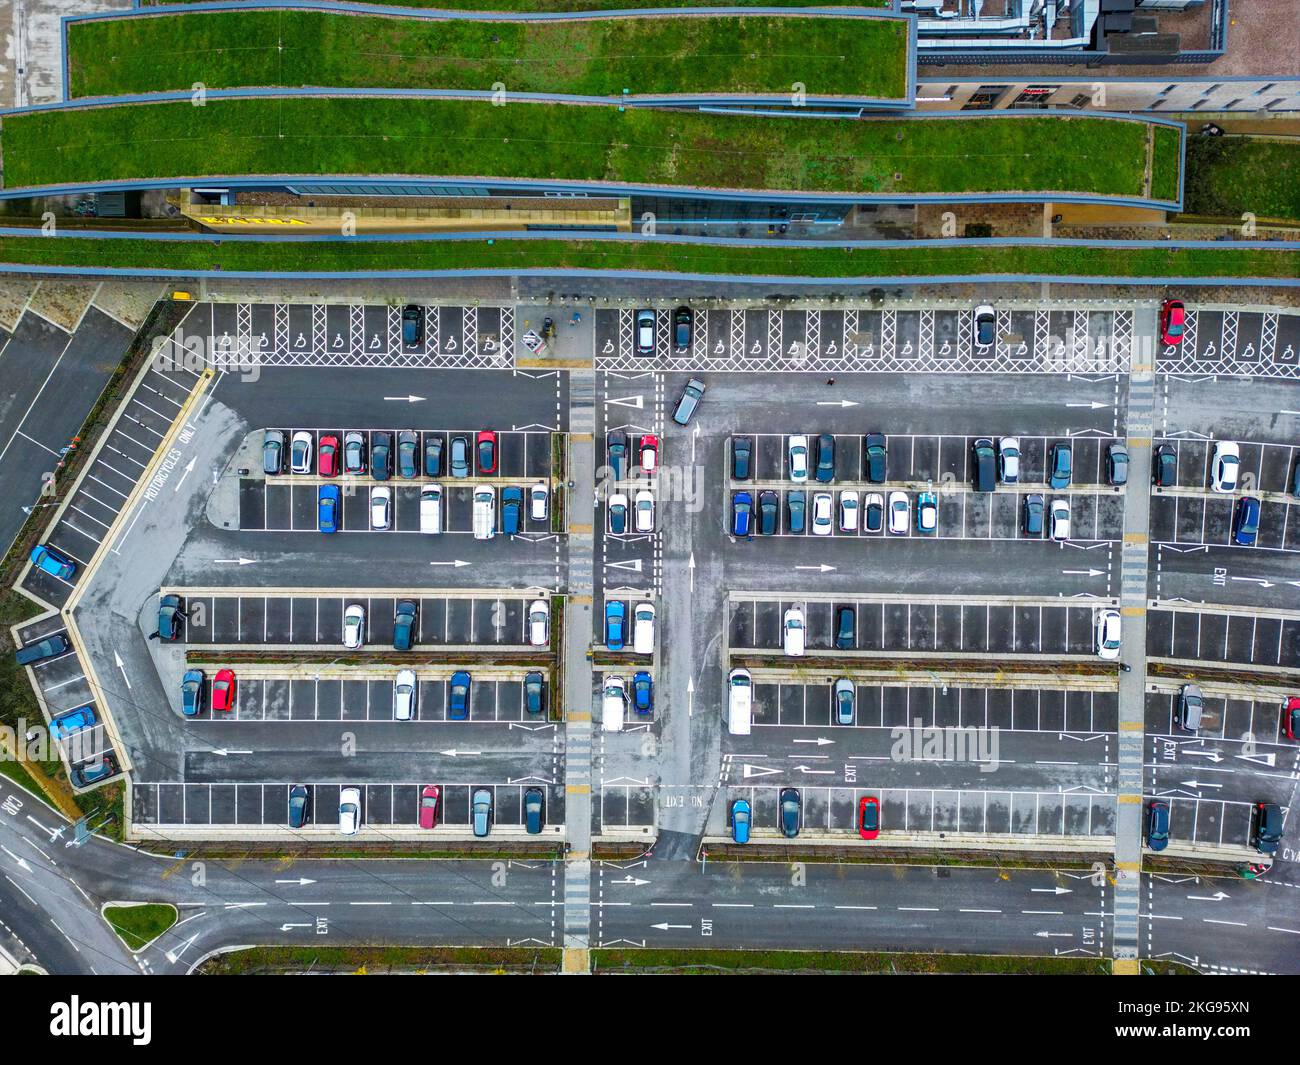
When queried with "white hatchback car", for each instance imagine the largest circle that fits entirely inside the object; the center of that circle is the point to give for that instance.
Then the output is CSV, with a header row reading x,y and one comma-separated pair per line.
x,y
354,626
1108,624
821,519
405,694
1226,466
792,640
539,622
349,811
381,507
1060,514
300,452
848,511
645,511
899,513
1009,452
798,448
539,501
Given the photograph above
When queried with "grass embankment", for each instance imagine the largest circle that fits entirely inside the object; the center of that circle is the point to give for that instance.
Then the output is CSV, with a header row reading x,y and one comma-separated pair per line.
x,y
822,961
530,141
254,960
140,923
564,5
602,57
1229,176
847,265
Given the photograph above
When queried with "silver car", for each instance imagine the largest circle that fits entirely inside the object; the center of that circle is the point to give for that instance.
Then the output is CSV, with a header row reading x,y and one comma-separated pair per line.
x,y
349,811
482,812
846,694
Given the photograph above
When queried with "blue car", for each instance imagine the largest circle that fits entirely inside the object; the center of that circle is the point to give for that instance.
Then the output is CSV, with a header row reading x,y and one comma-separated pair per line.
x,y
1245,523
327,508
458,696
615,617
1158,825
740,817
46,558
643,692
65,725
192,693
742,513
1062,463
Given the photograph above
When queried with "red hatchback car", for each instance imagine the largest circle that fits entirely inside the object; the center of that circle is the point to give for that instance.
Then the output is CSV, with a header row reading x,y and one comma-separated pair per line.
x,y
868,817
649,453
327,456
1291,718
429,795
223,690
1172,322
487,451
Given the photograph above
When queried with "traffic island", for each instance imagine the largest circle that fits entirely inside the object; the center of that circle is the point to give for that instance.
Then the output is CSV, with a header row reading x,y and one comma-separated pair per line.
x,y
138,924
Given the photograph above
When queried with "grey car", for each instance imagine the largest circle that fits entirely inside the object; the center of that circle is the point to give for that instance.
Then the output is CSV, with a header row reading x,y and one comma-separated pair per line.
x,y
272,451
846,695
482,812
459,456
1190,707
689,400
354,453
408,445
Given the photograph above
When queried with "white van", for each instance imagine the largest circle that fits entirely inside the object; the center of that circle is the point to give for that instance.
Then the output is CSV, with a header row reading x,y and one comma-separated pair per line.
x,y
643,629
431,508
485,512
740,702
613,704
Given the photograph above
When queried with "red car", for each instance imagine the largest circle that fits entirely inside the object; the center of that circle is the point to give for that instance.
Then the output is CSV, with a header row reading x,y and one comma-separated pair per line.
x,y
1171,322
223,690
487,451
1291,718
649,453
429,805
327,456
868,817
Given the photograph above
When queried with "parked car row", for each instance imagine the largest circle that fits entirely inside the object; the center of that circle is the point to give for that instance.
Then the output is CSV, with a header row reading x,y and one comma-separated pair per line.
x,y
619,452
1190,712
637,515
614,699
1265,833
643,627
492,510
430,809
88,766
380,453
850,513
644,328
866,821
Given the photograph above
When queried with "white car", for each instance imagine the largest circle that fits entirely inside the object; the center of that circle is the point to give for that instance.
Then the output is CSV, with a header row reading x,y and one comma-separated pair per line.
x,y
539,501
984,326
1060,514
645,511
381,507
1227,464
1108,634
349,811
792,640
354,626
405,694
300,453
899,513
848,511
798,459
821,519
1009,452
539,622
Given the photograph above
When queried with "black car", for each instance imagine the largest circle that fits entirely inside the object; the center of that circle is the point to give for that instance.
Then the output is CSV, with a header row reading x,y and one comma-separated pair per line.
x,y
873,515
41,650
844,628
404,615
616,452
408,447
742,455
825,465
381,456
534,812
1266,827
791,812
683,325
412,325
1117,464
534,692
1164,466
433,454
875,456
984,464
796,505
299,805
1295,481
769,509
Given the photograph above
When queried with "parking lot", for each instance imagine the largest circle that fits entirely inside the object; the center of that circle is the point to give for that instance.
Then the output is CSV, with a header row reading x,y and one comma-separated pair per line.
x,y
393,806
345,335
939,340
1245,343
1223,717
283,619
1220,635
1209,821
366,694
918,626
1208,519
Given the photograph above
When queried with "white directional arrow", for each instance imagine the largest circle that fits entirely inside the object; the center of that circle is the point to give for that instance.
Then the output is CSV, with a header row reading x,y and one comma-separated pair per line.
x,y
690,696
1218,896
290,927
1053,890
629,880
1093,405
823,568
837,403
694,436
174,956
634,565
1213,756
810,771
453,753
1198,784
189,468
691,566
404,399
224,751
629,401
820,741
758,771
117,658
1085,572
241,561
1263,582
665,927
1269,759
22,862
302,881
458,563
1057,935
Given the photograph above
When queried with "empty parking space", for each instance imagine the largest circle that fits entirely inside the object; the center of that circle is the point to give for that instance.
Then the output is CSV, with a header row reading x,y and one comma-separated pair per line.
x,y
1240,343
1212,822
1232,717
1203,518
1219,635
